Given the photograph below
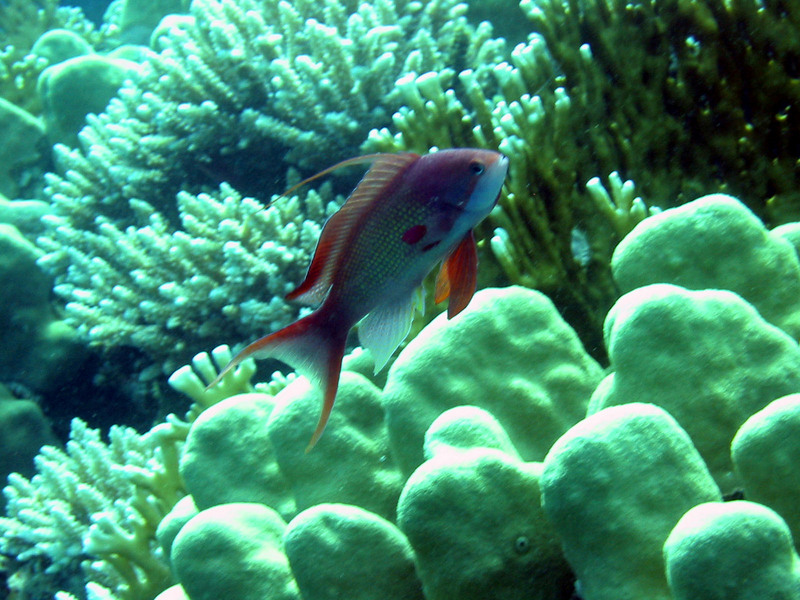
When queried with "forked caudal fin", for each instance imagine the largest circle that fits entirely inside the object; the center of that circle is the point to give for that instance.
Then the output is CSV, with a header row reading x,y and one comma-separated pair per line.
x,y
314,348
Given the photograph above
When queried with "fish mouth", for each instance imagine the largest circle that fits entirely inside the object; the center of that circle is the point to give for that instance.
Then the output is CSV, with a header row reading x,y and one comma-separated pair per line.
x,y
487,191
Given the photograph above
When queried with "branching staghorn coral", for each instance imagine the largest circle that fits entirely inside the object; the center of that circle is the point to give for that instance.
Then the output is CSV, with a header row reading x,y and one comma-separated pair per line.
x,y
88,518
235,86
240,88
91,513
221,277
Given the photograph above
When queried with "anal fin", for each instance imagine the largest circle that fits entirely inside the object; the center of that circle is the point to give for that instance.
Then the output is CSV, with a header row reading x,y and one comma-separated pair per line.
x,y
384,329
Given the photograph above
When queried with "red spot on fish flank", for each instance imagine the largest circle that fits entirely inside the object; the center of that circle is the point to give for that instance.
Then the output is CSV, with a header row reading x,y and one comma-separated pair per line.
x,y
414,234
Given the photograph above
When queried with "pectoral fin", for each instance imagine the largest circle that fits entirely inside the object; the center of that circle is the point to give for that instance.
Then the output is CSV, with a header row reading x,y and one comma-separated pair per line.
x,y
458,276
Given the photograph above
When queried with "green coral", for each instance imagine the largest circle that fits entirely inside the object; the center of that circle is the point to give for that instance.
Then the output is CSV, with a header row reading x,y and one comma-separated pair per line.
x,y
764,452
340,551
684,98
731,551
511,343
714,242
167,292
240,83
22,22
705,356
91,512
219,468
215,548
235,85
614,486
473,515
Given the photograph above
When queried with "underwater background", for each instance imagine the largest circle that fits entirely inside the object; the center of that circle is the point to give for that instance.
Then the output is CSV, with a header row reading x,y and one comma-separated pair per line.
x,y
615,415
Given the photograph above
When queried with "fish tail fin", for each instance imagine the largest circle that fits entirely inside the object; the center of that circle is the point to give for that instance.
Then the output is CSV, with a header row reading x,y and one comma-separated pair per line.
x,y
314,347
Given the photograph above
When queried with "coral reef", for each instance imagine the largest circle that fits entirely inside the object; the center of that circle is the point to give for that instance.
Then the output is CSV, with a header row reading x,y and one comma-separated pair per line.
x,y
473,516
659,340
494,461
715,242
613,487
764,453
238,84
731,551
168,292
713,86
90,513
37,39
511,344
684,98
22,22
502,401
234,86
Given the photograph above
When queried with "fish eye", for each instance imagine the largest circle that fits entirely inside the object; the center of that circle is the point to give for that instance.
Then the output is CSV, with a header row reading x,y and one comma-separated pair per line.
x,y
476,167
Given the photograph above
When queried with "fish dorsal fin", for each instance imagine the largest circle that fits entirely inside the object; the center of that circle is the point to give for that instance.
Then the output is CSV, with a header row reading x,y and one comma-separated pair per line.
x,y
458,276
336,234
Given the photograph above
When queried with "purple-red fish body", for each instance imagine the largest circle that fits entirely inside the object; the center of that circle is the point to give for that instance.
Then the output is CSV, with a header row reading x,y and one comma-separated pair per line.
x,y
407,213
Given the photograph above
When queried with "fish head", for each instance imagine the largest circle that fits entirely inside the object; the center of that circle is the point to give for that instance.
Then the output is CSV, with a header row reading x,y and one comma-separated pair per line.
x,y
456,189
461,180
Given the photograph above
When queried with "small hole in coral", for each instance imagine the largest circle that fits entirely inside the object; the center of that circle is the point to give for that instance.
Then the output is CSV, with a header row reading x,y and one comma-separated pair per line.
x,y
522,544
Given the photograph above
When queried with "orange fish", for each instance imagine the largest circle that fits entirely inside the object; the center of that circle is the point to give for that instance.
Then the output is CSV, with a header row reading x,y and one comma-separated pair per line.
x,y
407,213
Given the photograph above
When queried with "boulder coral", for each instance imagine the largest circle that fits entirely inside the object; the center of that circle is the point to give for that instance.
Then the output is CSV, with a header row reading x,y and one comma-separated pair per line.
x,y
764,453
614,486
217,547
334,549
473,515
510,353
707,357
731,551
715,242
551,478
